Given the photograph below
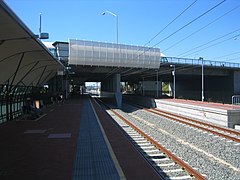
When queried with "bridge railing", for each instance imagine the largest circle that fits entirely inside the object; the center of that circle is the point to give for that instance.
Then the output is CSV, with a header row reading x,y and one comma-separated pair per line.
x,y
175,60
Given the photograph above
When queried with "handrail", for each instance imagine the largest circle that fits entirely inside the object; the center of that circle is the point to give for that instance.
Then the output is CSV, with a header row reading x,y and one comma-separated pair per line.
x,y
235,101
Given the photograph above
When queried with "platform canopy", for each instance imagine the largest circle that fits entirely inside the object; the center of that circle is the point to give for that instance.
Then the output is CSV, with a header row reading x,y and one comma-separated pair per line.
x,y
24,60
94,53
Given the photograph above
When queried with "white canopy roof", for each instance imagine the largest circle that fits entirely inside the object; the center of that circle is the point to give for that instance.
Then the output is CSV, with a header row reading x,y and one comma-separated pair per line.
x,y
24,60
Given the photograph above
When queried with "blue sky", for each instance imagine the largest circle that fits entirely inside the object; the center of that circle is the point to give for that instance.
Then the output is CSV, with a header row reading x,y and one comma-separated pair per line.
x,y
139,21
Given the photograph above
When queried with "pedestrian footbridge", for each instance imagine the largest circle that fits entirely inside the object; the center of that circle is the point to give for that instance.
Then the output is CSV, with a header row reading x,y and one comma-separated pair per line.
x,y
94,53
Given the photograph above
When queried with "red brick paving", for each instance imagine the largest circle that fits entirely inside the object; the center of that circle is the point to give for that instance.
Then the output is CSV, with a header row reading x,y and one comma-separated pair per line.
x,y
36,157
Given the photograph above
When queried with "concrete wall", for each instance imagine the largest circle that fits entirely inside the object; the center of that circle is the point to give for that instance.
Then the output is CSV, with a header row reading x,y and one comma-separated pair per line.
x,y
188,88
218,89
150,88
140,100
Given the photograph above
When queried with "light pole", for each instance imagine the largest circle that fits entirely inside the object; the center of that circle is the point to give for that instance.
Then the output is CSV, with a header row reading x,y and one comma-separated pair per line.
x,y
143,87
174,80
157,82
105,12
41,34
202,78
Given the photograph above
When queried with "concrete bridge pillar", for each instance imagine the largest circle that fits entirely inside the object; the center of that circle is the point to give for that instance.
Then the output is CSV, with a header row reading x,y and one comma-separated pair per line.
x,y
117,89
111,88
236,82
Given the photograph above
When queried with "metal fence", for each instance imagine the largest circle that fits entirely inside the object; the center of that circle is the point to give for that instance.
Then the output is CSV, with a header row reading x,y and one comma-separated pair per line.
x,y
236,101
11,101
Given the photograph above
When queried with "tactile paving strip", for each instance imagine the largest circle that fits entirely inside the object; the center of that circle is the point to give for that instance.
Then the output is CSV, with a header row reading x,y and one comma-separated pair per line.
x,y
93,160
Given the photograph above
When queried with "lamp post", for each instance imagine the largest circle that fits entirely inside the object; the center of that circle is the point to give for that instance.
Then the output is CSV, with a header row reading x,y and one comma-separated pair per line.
x,y
174,80
143,87
41,34
108,12
157,82
202,78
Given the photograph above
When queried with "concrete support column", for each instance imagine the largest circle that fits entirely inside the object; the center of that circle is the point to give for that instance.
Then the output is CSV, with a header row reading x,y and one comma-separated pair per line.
x,y
233,117
111,88
171,88
116,83
236,82
117,89
66,88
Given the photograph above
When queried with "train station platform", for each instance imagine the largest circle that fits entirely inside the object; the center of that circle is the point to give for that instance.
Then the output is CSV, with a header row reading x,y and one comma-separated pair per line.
x,y
69,142
216,113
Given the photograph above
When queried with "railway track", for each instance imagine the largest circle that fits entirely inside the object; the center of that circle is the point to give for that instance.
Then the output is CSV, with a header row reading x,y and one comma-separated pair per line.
x,y
217,130
165,163
211,148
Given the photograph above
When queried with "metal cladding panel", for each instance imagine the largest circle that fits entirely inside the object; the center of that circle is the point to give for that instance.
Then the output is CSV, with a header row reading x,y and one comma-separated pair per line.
x,y
109,54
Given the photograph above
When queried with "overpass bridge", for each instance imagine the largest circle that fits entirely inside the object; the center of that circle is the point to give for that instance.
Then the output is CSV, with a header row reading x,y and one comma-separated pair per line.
x,y
145,69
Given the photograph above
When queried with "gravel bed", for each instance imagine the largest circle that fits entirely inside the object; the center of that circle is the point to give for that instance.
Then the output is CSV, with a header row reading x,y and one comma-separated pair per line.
x,y
215,157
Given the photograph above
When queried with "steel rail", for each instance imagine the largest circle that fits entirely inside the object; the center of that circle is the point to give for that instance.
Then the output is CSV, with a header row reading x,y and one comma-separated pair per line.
x,y
194,125
199,122
190,170
97,101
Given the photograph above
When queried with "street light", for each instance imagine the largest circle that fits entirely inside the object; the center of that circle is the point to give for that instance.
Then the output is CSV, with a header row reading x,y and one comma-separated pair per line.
x,y
108,12
157,82
41,34
143,87
174,80
202,78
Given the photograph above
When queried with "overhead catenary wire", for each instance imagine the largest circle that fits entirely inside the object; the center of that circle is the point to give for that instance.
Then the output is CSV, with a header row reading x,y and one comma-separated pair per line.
x,y
226,55
204,44
214,7
166,27
171,22
178,69
185,67
233,59
212,44
215,20
200,16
